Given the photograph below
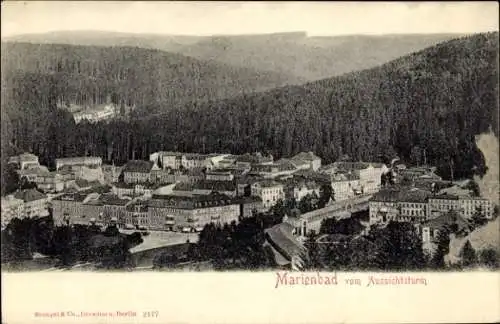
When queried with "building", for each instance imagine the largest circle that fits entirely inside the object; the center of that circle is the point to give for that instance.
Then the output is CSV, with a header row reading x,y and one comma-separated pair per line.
x,y
88,161
219,175
189,161
469,206
205,187
256,158
312,161
369,173
429,230
35,202
250,206
346,186
466,206
287,251
269,191
54,182
137,171
111,173
11,208
31,173
134,189
399,204
69,208
193,213
25,161
114,207
274,169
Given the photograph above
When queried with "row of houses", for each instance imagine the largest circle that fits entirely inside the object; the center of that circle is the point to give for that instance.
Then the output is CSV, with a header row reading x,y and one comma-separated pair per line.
x,y
417,205
160,212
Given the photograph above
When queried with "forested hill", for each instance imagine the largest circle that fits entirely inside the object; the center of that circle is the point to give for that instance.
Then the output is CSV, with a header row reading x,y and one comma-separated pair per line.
x,y
293,54
143,77
425,107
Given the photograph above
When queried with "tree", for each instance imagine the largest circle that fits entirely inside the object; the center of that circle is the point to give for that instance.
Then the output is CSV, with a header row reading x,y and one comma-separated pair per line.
x,y
474,188
325,195
490,258
10,178
468,255
442,248
478,218
314,259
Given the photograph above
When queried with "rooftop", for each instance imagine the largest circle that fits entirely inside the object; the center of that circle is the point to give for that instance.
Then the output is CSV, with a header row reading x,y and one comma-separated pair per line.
x,y
80,159
448,218
306,156
402,195
267,183
138,166
192,202
29,195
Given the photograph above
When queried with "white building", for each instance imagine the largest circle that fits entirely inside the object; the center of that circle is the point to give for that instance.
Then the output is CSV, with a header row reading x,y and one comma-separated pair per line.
x,y
11,208
25,161
88,161
308,158
269,191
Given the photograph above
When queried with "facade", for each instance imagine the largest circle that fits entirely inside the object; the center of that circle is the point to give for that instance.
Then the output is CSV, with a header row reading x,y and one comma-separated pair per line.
x,y
88,161
466,206
401,205
53,182
345,186
25,161
189,161
312,161
205,187
269,191
369,173
249,206
35,202
11,208
137,171
193,213
219,175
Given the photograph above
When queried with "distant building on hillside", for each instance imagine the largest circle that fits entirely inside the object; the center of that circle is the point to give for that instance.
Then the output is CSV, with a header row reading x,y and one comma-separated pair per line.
x,y
25,161
269,191
88,161
308,158
137,171
35,202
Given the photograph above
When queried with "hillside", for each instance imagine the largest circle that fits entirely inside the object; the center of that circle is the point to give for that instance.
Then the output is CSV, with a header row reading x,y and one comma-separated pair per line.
x,y
295,55
87,75
424,106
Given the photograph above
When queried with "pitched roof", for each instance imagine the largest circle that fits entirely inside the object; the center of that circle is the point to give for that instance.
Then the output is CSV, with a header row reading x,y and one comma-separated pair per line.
x,y
280,236
306,156
402,195
29,195
448,218
139,166
191,202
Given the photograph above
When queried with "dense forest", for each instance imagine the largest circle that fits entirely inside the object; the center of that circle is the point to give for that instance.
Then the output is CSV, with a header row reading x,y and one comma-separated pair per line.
x,y
425,108
87,75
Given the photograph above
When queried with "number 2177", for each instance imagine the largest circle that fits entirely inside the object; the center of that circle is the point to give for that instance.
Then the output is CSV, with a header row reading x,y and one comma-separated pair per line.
x,y
150,314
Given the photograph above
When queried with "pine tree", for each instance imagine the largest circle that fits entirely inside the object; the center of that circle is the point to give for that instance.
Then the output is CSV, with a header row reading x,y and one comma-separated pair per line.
x,y
468,255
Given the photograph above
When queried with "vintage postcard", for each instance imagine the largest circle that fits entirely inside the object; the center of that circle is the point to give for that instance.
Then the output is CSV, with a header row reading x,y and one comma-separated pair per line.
x,y
250,162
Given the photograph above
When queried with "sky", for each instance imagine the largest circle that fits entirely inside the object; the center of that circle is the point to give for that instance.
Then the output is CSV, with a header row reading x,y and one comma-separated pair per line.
x,y
209,18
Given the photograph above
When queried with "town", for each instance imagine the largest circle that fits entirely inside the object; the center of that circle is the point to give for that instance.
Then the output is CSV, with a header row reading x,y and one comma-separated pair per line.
x,y
171,198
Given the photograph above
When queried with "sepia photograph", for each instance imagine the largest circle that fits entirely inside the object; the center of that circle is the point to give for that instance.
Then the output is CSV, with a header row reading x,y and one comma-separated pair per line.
x,y
303,140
